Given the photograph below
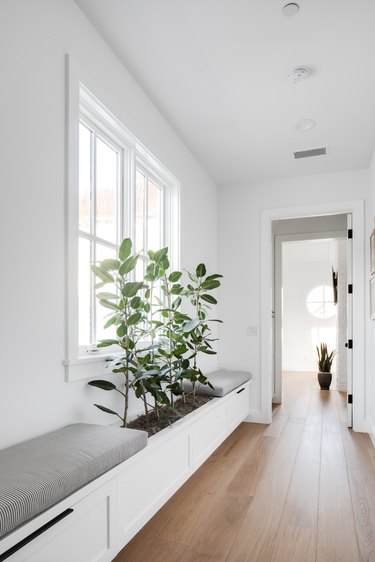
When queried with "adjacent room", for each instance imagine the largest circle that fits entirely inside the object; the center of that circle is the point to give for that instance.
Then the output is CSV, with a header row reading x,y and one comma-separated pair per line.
x,y
187,218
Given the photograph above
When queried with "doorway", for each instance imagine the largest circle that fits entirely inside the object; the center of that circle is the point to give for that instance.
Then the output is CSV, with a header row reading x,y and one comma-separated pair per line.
x,y
356,209
310,305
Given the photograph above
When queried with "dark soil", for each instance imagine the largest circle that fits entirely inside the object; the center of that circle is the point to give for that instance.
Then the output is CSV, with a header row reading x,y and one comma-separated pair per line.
x,y
167,415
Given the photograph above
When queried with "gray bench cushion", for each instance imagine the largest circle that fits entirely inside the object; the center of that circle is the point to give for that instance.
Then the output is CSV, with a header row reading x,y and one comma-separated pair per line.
x,y
36,474
223,382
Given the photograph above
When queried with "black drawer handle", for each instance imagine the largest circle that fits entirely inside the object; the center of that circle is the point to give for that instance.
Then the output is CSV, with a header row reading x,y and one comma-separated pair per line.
x,y
241,390
35,534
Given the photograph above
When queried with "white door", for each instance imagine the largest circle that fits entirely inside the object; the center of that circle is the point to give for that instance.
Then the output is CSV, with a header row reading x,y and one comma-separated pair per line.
x,y
349,340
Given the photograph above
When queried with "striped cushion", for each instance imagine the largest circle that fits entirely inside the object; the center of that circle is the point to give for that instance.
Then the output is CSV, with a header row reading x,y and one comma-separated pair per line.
x,y
223,382
36,474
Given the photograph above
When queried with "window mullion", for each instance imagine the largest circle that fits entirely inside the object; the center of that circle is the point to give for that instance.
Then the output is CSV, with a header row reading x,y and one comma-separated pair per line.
x,y
145,216
93,241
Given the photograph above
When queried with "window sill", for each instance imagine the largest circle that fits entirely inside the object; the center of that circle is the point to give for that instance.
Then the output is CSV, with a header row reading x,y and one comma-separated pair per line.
x,y
87,367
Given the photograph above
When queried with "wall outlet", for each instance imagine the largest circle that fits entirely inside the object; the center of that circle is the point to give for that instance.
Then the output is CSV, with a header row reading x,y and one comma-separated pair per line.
x,y
251,330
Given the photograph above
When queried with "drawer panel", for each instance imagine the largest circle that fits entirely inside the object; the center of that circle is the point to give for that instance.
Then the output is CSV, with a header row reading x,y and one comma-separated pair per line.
x,y
84,535
238,406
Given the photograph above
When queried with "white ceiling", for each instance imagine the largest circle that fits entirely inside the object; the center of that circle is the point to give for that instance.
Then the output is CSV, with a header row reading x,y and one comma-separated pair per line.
x,y
217,70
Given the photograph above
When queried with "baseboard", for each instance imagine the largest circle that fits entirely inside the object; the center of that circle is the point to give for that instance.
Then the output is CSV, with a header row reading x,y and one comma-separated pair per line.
x,y
256,416
371,431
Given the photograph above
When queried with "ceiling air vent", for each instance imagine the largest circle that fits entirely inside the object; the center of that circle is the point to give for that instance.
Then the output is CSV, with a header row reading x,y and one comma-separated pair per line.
x,y
310,152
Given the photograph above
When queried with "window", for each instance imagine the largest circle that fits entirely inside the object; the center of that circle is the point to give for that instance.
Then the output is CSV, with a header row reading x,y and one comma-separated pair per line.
x,y
320,302
118,189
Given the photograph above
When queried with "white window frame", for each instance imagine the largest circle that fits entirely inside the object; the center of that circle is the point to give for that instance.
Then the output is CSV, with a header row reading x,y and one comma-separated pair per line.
x,y
81,364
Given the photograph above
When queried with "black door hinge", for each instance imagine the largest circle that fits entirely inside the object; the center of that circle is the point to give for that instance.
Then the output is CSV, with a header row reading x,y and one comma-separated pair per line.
x,y
350,233
350,398
350,288
349,344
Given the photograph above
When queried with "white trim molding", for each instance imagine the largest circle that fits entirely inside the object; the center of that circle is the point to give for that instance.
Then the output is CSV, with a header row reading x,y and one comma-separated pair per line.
x,y
356,208
85,362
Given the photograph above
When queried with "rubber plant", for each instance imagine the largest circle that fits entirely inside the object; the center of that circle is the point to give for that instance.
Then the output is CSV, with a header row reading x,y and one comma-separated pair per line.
x,y
127,315
160,343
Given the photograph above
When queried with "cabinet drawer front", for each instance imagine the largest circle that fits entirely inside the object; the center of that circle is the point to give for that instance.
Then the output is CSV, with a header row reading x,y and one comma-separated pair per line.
x,y
204,439
238,406
84,535
144,485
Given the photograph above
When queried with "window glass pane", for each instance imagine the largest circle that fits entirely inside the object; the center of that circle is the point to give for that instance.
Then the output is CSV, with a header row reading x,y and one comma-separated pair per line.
x,y
84,292
320,302
102,313
154,230
139,270
139,211
106,191
84,177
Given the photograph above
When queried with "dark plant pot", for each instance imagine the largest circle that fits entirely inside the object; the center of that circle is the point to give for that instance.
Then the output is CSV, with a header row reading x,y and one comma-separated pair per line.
x,y
325,380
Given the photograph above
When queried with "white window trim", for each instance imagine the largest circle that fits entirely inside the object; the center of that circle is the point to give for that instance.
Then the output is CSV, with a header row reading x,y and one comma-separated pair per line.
x,y
80,100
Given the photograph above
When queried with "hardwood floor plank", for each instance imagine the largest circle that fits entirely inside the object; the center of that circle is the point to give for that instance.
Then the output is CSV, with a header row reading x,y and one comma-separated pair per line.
x,y
157,550
213,540
294,544
257,535
249,475
336,539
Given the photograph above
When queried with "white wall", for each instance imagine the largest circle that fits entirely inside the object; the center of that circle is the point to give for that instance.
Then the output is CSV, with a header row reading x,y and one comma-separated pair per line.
x,y
34,38
240,210
306,265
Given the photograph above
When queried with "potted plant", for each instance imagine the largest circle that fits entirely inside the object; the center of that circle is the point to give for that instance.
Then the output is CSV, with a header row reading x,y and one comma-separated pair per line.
x,y
325,360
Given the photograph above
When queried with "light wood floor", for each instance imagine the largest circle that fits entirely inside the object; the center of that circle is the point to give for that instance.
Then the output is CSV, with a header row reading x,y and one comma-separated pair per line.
x,y
301,489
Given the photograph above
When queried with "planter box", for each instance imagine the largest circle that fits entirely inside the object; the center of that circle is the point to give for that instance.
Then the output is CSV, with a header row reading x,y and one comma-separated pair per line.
x,y
104,515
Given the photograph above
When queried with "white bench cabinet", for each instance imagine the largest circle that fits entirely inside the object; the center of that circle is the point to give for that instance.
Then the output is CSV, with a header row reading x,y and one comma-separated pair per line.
x,y
110,510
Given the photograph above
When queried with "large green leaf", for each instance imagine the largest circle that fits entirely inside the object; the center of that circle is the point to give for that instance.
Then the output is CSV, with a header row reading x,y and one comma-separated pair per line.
x,y
125,249
177,289
135,302
104,385
130,289
209,284
176,303
201,270
215,276
175,276
107,296
111,321
108,411
102,274
109,304
107,343
160,255
134,318
209,298
122,330
128,265
110,265
192,277
191,325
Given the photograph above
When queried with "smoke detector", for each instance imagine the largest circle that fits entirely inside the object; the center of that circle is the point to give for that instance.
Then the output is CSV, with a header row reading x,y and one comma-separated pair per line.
x,y
298,75
290,9
304,125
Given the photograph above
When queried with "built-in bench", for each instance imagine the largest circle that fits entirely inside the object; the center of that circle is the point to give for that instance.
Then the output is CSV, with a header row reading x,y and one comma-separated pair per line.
x,y
37,474
82,492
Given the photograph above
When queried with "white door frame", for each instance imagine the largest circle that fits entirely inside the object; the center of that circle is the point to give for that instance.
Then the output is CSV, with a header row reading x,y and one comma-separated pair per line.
x,y
279,239
266,345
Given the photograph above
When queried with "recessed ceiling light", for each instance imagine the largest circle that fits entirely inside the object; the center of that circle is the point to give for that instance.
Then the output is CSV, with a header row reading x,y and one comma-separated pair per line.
x,y
290,9
298,74
305,125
